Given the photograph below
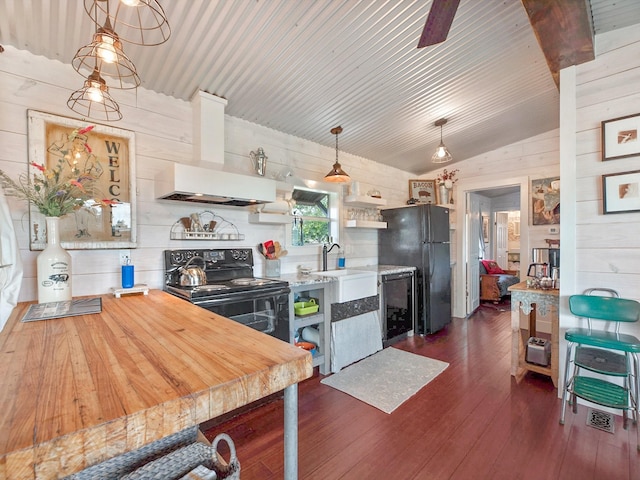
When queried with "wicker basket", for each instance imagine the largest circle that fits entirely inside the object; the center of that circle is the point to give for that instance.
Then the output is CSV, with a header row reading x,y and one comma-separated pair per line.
x,y
179,456
176,464
226,470
126,463
186,462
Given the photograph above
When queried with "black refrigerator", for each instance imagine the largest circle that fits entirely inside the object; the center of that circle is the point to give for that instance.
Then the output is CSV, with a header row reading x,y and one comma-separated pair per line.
x,y
418,235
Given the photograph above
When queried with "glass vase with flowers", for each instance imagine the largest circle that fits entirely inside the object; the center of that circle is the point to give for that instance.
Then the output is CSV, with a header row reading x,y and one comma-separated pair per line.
x,y
54,192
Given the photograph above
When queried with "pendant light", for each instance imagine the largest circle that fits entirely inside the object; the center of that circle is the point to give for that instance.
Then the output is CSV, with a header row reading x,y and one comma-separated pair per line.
x,y
442,155
337,175
141,22
105,53
93,100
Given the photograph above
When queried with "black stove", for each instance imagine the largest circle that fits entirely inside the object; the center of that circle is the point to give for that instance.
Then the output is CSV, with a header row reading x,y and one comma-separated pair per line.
x,y
231,289
228,271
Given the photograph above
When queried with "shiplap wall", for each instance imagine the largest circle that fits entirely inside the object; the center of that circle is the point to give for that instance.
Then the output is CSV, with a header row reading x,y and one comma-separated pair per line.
x,y
603,250
163,128
607,246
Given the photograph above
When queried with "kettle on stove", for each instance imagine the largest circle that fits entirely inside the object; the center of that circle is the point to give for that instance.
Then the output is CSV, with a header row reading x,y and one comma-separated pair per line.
x,y
537,270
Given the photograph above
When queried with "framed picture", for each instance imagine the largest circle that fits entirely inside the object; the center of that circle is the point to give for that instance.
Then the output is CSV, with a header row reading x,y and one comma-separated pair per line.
x,y
107,154
423,191
621,192
620,137
485,228
545,201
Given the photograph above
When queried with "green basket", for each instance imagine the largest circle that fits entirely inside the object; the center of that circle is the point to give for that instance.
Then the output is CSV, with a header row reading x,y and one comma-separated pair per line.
x,y
305,308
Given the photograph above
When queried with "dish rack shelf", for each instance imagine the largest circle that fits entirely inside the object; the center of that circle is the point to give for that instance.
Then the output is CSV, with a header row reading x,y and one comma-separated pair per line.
x,y
205,225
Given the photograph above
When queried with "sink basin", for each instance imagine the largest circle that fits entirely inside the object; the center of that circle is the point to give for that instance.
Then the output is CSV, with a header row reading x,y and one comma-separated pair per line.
x,y
352,284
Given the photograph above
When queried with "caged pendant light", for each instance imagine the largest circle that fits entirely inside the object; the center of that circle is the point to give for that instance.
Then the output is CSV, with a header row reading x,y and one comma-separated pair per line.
x,y
93,100
337,175
141,22
105,53
442,155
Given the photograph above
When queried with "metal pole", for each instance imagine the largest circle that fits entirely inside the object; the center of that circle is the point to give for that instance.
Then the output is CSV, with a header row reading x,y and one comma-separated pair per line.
x,y
291,432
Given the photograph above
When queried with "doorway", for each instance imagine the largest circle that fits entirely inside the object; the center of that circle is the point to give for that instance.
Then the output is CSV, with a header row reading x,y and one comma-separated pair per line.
x,y
492,228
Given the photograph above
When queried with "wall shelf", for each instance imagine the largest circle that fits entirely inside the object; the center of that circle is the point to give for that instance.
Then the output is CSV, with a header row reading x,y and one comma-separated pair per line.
x,y
205,225
259,217
320,320
364,224
364,201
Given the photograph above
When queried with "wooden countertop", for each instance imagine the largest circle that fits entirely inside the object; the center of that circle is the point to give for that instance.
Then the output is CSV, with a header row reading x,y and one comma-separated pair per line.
x,y
78,390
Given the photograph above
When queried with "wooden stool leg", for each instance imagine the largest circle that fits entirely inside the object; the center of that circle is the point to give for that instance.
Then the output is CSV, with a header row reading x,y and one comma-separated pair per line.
x,y
532,320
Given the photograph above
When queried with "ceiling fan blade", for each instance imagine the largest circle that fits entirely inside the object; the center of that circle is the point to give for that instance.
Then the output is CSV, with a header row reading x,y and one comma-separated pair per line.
x,y
438,22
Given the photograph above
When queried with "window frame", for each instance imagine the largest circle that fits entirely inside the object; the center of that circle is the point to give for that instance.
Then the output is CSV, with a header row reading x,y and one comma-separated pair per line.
x,y
333,219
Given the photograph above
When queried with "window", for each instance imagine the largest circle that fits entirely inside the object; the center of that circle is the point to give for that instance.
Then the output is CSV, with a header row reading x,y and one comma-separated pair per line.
x,y
315,217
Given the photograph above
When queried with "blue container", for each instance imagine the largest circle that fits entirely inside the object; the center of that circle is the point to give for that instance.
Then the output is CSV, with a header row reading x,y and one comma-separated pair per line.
x,y
127,276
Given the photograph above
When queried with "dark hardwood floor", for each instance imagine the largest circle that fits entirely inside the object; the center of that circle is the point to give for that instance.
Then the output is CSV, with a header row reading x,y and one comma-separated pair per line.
x,y
474,421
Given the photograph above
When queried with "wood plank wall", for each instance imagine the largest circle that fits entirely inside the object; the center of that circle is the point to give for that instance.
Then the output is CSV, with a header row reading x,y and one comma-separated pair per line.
x,y
607,246
163,127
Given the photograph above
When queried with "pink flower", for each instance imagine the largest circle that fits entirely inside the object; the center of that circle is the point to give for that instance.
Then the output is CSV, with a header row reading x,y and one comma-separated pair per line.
x,y
76,183
86,129
38,166
448,176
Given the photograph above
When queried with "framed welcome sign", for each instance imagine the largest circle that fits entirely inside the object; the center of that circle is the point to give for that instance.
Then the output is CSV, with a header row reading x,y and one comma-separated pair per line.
x,y
105,153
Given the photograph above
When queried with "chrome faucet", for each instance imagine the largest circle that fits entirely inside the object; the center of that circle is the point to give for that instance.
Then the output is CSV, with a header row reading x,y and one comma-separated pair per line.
x,y
325,250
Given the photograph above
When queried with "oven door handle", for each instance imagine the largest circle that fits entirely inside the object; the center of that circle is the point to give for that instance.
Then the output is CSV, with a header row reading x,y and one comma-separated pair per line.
x,y
242,296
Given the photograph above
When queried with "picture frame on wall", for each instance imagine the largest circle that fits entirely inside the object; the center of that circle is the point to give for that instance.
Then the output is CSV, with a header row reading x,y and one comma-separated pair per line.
x,y
108,155
485,228
423,191
621,192
620,137
545,201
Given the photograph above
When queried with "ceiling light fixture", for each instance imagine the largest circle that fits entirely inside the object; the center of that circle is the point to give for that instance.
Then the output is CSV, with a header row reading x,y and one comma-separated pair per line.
x,y
141,22
105,53
93,100
337,175
442,155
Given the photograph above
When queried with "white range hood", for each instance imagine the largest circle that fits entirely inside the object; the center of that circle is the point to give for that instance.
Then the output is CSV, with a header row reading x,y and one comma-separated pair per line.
x,y
207,182
188,183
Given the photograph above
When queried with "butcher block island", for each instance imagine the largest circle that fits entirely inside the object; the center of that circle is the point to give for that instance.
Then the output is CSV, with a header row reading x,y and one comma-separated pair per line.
x,y
78,390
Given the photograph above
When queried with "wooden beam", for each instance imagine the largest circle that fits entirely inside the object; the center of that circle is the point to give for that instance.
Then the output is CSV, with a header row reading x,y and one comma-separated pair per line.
x,y
564,31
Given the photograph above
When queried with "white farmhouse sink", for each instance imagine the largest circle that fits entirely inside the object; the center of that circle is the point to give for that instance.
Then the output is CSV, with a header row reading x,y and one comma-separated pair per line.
x,y
352,284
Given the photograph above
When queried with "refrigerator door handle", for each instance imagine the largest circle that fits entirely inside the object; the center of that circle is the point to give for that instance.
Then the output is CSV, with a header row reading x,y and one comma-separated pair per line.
x,y
431,262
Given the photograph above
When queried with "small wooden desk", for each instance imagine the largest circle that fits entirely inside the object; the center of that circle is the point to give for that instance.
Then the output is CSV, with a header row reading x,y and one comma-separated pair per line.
x,y
78,390
529,301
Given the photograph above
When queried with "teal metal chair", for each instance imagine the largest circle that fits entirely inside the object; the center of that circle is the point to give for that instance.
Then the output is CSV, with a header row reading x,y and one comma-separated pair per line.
x,y
608,353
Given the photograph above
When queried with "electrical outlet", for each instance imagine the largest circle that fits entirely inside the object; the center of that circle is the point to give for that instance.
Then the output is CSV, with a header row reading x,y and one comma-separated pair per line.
x,y
554,230
125,257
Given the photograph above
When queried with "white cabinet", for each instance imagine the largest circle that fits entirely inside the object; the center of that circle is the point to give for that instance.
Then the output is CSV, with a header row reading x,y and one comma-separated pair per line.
x,y
321,320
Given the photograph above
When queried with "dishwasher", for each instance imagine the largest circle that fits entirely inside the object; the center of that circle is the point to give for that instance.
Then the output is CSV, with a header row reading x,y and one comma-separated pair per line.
x,y
397,306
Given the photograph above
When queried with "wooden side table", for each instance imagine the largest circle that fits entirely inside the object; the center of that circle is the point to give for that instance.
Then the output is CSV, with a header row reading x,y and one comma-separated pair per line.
x,y
530,302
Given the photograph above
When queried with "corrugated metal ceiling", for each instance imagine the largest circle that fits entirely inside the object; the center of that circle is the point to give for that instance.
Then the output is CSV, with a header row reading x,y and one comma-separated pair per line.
x,y
303,67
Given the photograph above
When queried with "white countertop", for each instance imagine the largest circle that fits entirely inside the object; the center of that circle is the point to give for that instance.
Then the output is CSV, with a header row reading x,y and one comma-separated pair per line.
x,y
385,269
297,279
